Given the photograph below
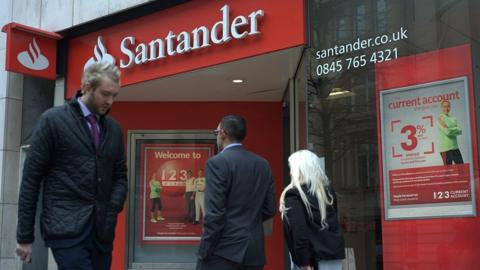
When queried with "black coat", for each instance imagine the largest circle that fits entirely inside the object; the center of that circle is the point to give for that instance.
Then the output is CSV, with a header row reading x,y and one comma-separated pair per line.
x,y
239,196
306,240
79,182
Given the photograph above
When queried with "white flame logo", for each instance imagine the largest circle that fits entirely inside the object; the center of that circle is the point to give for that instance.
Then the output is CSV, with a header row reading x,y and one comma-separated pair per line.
x,y
33,57
100,54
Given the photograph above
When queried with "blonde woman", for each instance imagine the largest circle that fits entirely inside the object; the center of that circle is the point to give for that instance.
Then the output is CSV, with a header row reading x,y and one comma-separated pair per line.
x,y
309,213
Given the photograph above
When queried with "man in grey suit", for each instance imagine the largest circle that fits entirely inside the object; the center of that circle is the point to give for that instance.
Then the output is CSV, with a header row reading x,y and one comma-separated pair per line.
x,y
239,196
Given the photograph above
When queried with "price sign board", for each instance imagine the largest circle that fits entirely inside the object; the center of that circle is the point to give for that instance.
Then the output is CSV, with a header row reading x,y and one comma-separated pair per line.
x,y
427,150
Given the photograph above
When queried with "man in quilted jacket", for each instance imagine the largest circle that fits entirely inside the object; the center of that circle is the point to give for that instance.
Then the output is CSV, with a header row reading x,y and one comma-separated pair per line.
x,y
77,156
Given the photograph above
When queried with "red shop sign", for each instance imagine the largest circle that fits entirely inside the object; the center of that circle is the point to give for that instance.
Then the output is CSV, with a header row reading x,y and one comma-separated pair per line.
x,y
31,51
189,36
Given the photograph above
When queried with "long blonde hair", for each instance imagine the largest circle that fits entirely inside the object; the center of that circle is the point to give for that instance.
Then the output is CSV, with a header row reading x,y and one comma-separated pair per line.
x,y
305,169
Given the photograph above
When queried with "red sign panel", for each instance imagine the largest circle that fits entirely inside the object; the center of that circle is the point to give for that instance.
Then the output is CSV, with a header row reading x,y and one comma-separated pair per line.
x,y
190,36
422,176
430,185
31,51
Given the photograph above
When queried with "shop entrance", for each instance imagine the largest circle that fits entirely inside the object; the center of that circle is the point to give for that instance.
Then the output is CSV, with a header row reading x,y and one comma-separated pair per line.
x,y
168,115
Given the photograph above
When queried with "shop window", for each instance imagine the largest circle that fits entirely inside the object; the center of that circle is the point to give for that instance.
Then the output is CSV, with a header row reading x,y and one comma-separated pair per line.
x,y
167,179
358,50
362,19
382,22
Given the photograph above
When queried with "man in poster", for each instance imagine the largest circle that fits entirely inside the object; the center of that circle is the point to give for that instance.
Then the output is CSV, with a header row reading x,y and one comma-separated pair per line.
x,y
239,196
449,131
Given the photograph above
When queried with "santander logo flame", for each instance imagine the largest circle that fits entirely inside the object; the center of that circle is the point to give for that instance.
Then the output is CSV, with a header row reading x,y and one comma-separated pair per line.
x,y
100,54
33,57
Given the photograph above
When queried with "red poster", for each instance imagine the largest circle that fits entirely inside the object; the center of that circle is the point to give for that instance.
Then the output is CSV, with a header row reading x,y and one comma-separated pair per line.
x,y
172,184
428,140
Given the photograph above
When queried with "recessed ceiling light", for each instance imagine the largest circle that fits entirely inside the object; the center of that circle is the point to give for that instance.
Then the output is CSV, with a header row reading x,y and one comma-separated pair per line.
x,y
237,81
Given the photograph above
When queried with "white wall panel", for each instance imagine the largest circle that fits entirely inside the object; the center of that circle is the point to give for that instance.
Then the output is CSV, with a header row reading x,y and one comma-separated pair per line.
x,y
2,153
87,10
14,85
56,14
27,12
10,263
13,119
3,75
5,17
118,5
8,236
10,177
2,125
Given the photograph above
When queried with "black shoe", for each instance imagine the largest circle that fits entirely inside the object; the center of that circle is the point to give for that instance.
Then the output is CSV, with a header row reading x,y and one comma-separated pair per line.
x,y
195,222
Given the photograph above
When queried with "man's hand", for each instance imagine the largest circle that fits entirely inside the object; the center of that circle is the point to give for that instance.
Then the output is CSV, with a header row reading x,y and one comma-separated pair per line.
x,y
307,267
24,251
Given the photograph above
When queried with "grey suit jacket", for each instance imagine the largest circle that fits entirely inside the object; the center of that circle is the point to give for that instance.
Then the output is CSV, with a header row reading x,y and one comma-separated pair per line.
x,y
239,196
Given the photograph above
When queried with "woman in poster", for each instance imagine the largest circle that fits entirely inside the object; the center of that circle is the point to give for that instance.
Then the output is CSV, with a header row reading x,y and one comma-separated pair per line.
x,y
199,196
155,190
309,213
449,131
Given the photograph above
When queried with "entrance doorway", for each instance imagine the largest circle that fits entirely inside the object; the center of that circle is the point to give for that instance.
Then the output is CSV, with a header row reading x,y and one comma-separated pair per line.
x,y
193,103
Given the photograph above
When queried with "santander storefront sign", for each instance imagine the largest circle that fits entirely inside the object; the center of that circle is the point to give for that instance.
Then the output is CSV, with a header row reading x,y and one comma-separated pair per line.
x,y
189,36
224,30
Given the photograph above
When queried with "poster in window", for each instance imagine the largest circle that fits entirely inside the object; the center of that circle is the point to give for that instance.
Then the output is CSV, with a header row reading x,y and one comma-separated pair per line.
x,y
171,188
427,150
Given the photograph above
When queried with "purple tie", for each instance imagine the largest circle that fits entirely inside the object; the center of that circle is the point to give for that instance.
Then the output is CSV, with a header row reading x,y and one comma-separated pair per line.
x,y
93,129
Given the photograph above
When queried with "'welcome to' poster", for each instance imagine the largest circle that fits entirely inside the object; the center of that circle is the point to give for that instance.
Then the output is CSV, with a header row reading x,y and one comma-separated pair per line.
x,y
171,191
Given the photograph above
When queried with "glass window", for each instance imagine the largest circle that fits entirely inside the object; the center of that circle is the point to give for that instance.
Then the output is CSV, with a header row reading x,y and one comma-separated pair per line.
x,y
166,197
365,54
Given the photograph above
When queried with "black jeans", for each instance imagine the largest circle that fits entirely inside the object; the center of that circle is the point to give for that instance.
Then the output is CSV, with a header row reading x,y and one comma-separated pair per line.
x,y
452,156
219,263
156,204
190,205
83,256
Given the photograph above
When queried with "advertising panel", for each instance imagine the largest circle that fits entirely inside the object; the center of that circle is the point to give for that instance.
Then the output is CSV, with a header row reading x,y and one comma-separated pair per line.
x,y
428,146
171,190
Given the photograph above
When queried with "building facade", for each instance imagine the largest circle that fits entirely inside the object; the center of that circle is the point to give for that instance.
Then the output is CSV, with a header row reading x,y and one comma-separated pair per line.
x,y
385,91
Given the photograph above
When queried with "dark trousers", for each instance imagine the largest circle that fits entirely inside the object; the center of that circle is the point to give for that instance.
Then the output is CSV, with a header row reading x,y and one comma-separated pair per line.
x,y
452,156
156,204
83,256
219,263
190,205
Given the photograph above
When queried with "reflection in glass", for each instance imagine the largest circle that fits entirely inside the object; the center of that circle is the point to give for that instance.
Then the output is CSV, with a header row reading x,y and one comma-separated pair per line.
x,y
342,119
